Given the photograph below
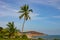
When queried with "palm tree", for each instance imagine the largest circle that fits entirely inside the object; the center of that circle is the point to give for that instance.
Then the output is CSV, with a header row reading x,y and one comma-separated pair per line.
x,y
11,28
25,14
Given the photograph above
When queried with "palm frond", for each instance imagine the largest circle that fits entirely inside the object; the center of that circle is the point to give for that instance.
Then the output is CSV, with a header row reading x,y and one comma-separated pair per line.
x,y
29,17
21,16
20,11
27,7
22,8
30,10
26,16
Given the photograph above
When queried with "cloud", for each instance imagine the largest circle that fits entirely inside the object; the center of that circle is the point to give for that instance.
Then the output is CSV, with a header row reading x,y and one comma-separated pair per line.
x,y
51,22
36,16
53,3
3,24
7,6
56,16
8,10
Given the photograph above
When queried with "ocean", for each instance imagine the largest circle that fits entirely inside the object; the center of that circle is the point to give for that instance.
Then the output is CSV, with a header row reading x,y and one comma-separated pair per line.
x,y
49,37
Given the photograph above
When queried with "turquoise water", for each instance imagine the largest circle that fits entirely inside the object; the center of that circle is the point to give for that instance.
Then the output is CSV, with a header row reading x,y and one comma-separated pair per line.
x,y
49,37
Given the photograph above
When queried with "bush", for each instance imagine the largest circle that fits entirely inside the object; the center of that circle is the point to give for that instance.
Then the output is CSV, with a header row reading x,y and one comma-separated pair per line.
x,y
17,36
40,39
56,39
24,37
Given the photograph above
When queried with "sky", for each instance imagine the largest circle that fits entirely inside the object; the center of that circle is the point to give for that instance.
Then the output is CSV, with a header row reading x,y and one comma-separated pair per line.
x,y
45,17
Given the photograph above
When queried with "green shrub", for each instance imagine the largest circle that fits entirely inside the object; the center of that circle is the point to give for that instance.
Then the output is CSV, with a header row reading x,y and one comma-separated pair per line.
x,y
24,37
17,37
40,39
56,39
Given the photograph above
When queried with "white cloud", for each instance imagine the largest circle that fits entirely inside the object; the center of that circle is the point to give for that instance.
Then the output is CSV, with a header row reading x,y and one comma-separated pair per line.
x,y
35,16
3,24
7,10
54,3
56,16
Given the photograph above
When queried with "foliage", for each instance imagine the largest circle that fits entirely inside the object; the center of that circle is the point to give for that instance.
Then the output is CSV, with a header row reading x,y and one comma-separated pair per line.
x,y
25,12
24,37
40,39
11,28
1,28
56,39
13,39
8,32
1,35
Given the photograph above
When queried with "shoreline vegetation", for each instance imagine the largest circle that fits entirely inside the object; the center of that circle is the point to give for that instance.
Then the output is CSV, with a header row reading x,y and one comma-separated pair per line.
x,y
12,33
8,34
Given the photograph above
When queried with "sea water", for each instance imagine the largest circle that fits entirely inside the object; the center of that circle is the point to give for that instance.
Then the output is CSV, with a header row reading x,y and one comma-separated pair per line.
x,y
49,37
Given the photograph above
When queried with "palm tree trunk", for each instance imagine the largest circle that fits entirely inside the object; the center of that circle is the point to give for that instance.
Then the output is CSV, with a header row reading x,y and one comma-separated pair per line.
x,y
23,26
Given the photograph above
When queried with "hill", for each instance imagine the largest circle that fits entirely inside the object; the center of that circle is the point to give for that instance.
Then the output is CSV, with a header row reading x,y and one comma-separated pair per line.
x,y
33,33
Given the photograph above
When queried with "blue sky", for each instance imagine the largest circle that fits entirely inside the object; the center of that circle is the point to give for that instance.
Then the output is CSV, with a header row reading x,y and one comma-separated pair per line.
x,y
45,17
